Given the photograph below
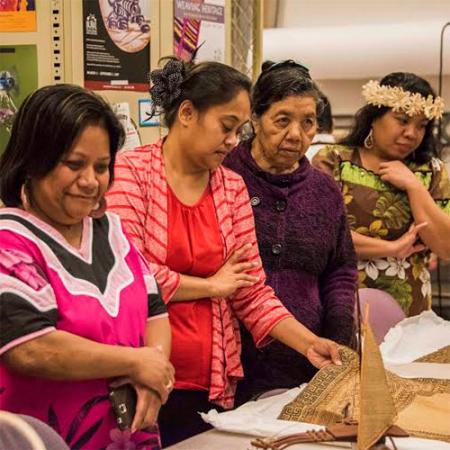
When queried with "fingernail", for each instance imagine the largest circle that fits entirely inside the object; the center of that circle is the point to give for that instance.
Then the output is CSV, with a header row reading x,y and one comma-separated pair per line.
x,y
338,363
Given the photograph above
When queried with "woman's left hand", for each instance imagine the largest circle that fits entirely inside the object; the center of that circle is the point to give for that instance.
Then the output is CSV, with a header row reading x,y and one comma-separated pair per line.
x,y
398,174
323,352
147,408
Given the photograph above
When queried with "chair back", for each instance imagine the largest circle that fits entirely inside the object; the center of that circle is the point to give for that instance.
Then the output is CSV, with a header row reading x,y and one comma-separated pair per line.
x,y
384,311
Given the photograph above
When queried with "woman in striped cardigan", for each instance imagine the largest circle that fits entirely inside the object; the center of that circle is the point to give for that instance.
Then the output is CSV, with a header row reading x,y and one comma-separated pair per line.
x,y
191,218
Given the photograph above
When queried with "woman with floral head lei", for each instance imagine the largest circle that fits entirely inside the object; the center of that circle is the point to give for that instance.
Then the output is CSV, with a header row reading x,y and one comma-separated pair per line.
x,y
301,224
396,191
192,220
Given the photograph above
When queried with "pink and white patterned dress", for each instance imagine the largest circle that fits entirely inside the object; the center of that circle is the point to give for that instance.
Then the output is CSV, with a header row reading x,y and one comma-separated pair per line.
x,y
102,292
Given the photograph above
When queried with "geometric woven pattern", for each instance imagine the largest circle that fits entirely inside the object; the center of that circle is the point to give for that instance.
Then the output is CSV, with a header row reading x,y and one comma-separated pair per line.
x,y
333,395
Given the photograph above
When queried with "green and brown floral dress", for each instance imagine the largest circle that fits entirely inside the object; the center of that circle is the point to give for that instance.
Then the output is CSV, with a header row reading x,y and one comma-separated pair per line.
x,y
379,210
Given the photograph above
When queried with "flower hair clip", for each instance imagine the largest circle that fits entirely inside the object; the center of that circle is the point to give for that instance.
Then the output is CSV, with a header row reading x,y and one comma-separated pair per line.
x,y
167,82
399,100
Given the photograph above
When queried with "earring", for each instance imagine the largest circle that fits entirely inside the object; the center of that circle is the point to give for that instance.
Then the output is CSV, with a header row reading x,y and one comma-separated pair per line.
x,y
24,192
99,209
368,141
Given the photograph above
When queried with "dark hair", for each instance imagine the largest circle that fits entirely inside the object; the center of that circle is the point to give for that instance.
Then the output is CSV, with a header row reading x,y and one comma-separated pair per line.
x,y
205,84
365,116
45,128
280,80
325,118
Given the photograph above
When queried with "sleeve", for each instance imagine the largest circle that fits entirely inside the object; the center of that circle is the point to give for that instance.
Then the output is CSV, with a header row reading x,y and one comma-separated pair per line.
x,y
28,307
127,198
327,160
168,280
157,309
337,287
440,188
257,306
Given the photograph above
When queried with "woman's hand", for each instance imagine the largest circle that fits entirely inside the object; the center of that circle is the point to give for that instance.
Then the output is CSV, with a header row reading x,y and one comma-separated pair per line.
x,y
147,405
232,275
407,244
153,370
147,408
323,352
398,174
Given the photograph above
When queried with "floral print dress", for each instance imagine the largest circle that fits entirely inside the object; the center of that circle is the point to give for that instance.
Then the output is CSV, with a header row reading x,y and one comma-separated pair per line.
x,y
379,210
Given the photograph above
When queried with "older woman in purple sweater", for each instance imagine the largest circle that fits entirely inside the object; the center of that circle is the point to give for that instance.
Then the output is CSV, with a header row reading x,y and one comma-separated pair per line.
x,y
301,225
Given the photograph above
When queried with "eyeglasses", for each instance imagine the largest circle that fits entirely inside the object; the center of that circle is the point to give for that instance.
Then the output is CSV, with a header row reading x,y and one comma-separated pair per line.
x,y
289,63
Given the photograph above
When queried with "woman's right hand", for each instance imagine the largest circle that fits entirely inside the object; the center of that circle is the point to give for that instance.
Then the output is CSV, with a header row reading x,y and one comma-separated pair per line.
x,y
232,275
407,244
153,369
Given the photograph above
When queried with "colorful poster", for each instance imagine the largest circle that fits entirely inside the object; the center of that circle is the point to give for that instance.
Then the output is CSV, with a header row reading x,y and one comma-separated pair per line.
x,y
145,114
17,15
18,77
199,23
116,38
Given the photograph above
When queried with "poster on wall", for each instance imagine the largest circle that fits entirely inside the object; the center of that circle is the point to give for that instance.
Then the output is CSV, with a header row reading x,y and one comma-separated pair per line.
x,y
116,44
17,15
199,23
18,77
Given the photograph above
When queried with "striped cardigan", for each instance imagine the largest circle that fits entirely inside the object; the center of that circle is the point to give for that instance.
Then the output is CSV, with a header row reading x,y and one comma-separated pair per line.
x,y
139,195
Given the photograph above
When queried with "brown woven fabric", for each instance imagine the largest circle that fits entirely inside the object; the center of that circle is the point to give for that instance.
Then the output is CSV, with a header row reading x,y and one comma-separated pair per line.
x,y
377,410
422,405
439,356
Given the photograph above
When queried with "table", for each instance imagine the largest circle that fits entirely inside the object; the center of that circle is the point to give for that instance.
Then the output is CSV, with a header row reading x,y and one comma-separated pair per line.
x,y
427,331
220,440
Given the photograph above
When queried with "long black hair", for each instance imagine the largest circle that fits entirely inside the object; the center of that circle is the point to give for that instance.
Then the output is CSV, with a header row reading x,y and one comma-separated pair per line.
x,y
367,114
45,128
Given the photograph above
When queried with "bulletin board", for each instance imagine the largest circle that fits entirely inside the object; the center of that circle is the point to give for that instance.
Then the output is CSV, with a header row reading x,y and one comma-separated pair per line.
x,y
58,41
58,38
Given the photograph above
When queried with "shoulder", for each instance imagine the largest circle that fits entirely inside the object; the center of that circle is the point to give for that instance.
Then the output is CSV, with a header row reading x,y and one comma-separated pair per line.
x,y
111,223
330,157
16,227
18,243
325,191
323,180
139,157
234,159
111,220
335,152
231,181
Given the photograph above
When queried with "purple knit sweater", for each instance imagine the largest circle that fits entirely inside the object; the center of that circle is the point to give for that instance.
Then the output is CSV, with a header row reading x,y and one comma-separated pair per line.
x,y
309,259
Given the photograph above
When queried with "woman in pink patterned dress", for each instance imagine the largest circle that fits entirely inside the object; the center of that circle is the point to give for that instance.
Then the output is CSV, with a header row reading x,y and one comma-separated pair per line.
x,y
78,306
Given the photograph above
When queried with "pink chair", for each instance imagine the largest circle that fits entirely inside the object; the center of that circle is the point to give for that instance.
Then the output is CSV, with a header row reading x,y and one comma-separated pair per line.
x,y
384,311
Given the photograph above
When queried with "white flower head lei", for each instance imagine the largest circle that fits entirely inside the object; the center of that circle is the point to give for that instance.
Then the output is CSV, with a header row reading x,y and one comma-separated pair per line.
x,y
399,100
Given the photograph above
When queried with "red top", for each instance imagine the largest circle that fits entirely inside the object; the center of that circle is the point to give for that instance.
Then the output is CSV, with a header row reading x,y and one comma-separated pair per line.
x,y
195,247
140,196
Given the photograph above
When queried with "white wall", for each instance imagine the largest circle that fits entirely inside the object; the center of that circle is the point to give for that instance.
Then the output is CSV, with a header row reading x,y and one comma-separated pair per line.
x,y
311,13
